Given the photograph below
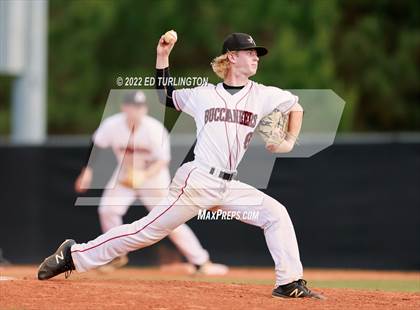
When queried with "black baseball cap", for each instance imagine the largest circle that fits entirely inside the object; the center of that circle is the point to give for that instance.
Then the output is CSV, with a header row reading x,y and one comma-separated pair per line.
x,y
238,41
137,98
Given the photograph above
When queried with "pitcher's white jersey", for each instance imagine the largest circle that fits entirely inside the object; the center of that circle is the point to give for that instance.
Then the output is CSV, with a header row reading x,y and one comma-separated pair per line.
x,y
225,123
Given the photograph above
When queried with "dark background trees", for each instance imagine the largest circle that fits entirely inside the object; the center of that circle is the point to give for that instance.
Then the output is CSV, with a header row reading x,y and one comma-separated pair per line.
x,y
367,52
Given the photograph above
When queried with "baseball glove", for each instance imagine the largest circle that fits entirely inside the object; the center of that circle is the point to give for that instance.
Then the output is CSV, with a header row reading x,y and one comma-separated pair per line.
x,y
133,178
273,127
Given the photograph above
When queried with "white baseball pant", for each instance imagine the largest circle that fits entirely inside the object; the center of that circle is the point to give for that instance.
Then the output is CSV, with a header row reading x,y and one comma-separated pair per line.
x,y
192,188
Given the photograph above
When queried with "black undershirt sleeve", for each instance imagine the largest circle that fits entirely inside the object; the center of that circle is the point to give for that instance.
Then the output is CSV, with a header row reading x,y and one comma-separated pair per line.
x,y
164,88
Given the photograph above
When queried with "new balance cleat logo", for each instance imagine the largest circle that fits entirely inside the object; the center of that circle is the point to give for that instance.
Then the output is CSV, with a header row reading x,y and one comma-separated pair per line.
x,y
57,257
295,293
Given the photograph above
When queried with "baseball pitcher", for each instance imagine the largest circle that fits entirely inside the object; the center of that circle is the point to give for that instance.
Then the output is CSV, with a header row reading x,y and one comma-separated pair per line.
x,y
226,116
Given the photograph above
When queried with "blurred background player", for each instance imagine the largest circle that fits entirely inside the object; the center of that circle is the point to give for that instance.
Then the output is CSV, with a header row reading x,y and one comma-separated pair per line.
x,y
142,148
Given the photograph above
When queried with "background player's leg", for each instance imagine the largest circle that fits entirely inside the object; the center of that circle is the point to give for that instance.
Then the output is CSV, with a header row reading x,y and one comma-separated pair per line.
x,y
113,205
189,245
276,223
182,236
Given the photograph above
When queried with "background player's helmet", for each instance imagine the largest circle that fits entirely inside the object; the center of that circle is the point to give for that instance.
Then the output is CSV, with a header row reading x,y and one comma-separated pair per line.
x,y
241,41
137,98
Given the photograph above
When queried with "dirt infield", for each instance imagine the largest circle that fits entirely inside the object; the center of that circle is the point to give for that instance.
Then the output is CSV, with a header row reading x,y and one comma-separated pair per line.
x,y
141,288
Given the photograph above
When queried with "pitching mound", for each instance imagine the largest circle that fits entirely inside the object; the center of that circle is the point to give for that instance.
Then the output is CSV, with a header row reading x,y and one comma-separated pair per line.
x,y
137,288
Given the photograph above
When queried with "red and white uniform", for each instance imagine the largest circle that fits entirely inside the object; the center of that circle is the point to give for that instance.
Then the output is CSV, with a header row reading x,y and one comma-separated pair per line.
x,y
225,124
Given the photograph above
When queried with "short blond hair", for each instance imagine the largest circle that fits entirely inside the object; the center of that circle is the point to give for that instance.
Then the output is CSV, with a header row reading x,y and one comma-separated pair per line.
x,y
220,65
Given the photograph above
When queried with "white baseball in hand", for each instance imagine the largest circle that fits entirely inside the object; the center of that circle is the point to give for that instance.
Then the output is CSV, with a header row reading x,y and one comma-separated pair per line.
x,y
170,37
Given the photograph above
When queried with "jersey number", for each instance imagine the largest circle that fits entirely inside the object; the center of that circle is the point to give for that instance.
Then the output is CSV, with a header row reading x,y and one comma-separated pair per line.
x,y
247,140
